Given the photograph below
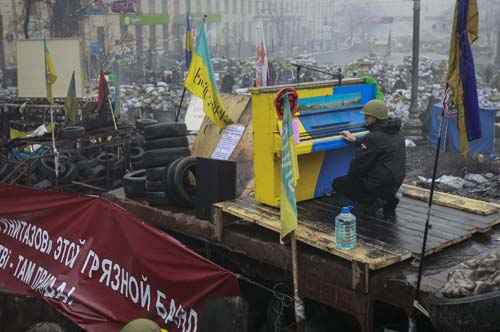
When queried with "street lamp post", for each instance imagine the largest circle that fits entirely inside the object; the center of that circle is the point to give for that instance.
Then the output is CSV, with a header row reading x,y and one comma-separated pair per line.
x,y
415,56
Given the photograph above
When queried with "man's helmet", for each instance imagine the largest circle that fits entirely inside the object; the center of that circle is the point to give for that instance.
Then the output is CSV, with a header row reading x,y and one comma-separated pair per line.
x,y
376,108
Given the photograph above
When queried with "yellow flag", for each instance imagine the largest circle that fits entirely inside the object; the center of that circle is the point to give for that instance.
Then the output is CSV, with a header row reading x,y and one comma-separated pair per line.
x,y
200,82
50,73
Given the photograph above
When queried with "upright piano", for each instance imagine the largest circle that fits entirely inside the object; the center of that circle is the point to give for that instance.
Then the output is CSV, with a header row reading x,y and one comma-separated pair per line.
x,y
324,110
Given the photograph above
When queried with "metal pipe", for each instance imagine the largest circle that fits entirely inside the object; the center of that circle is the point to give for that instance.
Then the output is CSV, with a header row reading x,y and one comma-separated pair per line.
x,y
415,55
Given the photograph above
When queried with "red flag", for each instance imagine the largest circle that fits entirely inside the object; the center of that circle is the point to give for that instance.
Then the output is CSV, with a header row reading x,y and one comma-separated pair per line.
x,y
103,91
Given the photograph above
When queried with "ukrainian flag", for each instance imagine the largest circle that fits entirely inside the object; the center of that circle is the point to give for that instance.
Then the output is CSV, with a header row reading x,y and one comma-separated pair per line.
x,y
200,81
289,174
50,73
461,71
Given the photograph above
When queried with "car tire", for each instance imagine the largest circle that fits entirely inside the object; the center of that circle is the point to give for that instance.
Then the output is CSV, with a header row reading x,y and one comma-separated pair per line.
x,y
97,171
165,129
172,194
134,183
72,132
155,174
143,123
70,175
155,185
86,164
47,167
168,142
163,157
137,165
42,185
185,179
106,157
135,153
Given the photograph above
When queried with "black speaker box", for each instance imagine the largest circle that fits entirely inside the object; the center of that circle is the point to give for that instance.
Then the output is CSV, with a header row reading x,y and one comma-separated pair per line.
x,y
216,182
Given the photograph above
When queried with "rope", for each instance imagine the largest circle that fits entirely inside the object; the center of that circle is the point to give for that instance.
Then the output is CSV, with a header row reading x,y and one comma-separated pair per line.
x,y
273,290
283,300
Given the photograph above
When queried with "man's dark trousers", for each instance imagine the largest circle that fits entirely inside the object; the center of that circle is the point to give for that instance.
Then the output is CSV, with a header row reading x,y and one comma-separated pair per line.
x,y
356,191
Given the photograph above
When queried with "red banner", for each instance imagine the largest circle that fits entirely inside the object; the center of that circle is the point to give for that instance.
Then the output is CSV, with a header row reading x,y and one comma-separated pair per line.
x,y
100,265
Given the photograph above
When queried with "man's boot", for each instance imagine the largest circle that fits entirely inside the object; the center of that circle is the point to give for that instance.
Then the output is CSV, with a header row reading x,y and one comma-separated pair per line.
x,y
389,209
367,210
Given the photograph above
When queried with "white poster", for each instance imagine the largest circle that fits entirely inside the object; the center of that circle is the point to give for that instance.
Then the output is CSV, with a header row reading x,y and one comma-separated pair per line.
x,y
66,55
194,114
230,137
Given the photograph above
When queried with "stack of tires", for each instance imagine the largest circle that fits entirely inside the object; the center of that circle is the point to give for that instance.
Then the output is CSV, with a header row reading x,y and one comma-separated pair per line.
x,y
164,143
134,182
78,165
135,150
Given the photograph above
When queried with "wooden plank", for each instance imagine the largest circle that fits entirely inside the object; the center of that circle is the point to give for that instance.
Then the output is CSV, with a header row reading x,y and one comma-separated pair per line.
x,y
371,255
438,222
209,134
218,215
243,155
479,223
444,212
453,201
437,230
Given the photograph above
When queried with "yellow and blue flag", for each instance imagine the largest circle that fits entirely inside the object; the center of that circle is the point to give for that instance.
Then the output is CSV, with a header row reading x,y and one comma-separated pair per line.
x,y
188,47
461,72
200,81
50,73
289,173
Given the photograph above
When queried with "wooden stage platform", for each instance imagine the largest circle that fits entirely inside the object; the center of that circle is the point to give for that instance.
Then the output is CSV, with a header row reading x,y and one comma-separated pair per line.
x,y
244,237
380,243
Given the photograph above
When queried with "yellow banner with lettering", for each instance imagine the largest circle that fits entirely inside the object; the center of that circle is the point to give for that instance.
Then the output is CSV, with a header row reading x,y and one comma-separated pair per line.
x,y
200,82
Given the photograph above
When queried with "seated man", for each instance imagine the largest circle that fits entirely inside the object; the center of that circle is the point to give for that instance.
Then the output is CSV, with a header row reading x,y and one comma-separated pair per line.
x,y
378,167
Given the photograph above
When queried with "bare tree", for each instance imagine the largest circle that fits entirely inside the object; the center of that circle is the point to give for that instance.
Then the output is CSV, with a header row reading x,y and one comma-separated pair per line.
x,y
28,6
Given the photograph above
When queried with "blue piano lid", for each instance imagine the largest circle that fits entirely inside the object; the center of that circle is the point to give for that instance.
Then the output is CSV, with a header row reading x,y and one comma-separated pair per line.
x,y
350,113
365,92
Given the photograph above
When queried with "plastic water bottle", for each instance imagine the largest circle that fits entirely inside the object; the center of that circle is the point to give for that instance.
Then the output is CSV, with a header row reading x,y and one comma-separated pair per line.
x,y
345,229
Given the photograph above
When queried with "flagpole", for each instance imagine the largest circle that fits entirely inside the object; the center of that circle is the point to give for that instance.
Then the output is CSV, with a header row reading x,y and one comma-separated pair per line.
x,y
180,105
291,216
298,303
188,28
51,112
